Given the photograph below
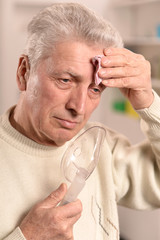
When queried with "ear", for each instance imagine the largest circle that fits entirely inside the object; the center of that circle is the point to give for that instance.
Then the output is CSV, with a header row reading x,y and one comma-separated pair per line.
x,y
23,71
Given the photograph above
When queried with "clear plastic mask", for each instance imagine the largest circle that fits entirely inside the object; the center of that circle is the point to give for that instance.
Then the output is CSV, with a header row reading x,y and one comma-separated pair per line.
x,y
80,160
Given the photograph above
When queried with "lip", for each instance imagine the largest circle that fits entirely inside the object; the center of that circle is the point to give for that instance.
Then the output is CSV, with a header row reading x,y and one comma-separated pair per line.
x,y
66,123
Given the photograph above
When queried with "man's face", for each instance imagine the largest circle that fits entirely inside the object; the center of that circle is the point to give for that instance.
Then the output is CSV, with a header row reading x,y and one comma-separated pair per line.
x,y
61,95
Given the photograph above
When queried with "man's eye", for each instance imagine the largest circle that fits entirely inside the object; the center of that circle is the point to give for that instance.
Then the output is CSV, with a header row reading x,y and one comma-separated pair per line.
x,y
64,83
64,80
96,90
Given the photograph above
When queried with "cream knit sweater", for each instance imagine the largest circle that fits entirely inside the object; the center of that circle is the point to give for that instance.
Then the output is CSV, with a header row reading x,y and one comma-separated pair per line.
x,y
127,175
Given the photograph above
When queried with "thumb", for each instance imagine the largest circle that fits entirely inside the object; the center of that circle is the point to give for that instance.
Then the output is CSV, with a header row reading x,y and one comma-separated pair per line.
x,y
55,197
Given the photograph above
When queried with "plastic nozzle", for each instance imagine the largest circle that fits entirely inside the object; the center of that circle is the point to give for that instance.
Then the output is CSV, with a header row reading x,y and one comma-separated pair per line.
x,y
76,186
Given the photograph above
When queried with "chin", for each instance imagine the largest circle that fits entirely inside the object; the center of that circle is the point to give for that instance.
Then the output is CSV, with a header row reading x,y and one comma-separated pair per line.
x,y
67,135
60,138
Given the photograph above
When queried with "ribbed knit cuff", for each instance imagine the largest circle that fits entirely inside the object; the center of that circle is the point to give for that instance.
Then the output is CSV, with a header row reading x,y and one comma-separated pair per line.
x,y
15,235
150,118
153,112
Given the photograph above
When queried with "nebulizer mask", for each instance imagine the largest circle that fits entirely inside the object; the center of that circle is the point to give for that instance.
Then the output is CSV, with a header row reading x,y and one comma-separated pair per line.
x,y
80,159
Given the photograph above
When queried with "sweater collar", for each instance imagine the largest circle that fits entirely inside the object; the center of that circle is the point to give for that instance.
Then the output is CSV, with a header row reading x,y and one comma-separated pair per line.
x,y
22,143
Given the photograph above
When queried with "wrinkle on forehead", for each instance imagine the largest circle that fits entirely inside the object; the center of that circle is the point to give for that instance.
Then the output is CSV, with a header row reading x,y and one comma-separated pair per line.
x,y
60,66
68,72
72,57
77,51
76,58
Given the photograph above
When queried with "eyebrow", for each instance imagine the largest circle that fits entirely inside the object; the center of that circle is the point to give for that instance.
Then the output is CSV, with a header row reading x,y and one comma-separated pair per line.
x,y
69,72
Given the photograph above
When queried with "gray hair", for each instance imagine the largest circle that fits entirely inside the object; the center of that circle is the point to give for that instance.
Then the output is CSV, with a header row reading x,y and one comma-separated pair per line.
x,y
67,21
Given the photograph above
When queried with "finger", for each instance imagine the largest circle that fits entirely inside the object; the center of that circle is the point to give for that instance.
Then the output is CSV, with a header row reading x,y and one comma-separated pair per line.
x,y
73,220
118,51
71,209
55,197
127,82
126,55
119,72
118,61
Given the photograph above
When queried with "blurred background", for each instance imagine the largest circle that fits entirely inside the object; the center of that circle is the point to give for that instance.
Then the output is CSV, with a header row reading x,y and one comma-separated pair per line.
x,y
138,21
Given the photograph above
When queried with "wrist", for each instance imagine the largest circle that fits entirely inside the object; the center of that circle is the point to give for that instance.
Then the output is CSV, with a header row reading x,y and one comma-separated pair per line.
x,y
143,101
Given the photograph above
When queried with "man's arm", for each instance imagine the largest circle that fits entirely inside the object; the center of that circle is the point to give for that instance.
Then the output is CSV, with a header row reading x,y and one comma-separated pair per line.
x,y
136,169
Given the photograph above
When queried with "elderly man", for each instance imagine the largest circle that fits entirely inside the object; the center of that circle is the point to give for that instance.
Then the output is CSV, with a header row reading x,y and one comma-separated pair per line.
x,y
56,77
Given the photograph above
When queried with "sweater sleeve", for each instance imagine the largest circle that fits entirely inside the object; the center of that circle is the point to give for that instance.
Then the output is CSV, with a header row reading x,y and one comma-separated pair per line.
x,y
15,235
136,169
150,124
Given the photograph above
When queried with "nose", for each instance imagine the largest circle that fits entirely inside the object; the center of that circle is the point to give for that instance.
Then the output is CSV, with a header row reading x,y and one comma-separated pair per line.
x,y
77,101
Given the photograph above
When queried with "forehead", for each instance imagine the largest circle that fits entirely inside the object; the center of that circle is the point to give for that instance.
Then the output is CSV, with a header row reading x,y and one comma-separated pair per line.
x,y
74,54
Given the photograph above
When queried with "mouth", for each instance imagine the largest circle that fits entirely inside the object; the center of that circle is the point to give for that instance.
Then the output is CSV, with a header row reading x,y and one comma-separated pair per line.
x,y
66,123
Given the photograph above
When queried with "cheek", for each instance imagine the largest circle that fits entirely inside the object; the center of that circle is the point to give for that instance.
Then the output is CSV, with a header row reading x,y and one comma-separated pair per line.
x,y
41,93
95,104
92,105
51,97
33,90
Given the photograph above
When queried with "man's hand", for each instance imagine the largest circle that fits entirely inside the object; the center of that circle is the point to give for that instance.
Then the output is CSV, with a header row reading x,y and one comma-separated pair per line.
x,y
48,221
130,73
